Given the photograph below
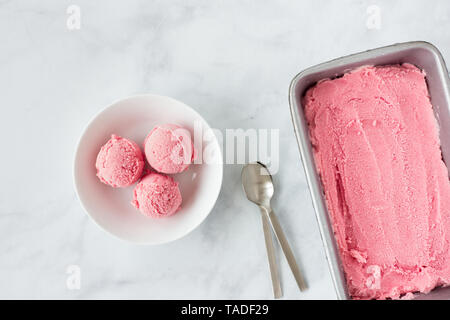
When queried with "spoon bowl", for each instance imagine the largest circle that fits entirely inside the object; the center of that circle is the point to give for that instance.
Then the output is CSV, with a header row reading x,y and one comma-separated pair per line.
x,y
257,183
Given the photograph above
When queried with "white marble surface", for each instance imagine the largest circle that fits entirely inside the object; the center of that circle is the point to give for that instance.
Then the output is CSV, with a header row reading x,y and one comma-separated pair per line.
x,y
232,61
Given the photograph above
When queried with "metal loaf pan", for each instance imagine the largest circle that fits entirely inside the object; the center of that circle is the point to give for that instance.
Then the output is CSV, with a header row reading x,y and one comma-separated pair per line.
x,y
423,55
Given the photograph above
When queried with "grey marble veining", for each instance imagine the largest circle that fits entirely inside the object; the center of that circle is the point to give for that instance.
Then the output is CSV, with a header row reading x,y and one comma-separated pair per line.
x,y
230,60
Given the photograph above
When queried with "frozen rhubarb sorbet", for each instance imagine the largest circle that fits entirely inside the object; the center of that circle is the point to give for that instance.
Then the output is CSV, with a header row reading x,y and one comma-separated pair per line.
x,y
157,195
169,148
120,162
377,150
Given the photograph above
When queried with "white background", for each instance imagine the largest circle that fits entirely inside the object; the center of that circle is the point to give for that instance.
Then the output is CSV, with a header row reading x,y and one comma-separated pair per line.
x,y
230,60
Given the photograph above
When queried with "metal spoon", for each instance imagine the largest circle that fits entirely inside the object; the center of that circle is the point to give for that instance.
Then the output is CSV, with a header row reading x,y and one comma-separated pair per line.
x,y
276,286
258,187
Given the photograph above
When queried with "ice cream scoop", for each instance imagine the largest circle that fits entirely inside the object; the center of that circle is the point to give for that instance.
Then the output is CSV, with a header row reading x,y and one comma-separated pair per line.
x,y
157,195
119,162
169,148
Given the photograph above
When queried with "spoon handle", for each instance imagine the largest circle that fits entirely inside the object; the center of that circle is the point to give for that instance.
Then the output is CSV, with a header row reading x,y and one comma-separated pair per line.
x,y
276,286
286,249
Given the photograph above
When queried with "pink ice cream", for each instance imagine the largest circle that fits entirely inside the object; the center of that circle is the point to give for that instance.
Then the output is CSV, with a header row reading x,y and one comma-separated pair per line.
x,y
120,162
377,150
157,195
169,148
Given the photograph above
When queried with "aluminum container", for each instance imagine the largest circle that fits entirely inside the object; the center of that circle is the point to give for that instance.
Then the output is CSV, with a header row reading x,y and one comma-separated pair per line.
x,y
421,54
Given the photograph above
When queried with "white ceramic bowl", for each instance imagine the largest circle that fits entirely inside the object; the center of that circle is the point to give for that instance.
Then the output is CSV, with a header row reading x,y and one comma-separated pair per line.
x,y
110,208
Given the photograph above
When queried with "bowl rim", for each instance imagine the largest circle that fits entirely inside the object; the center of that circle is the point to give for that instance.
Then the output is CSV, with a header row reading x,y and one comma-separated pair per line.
x,y
74,166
